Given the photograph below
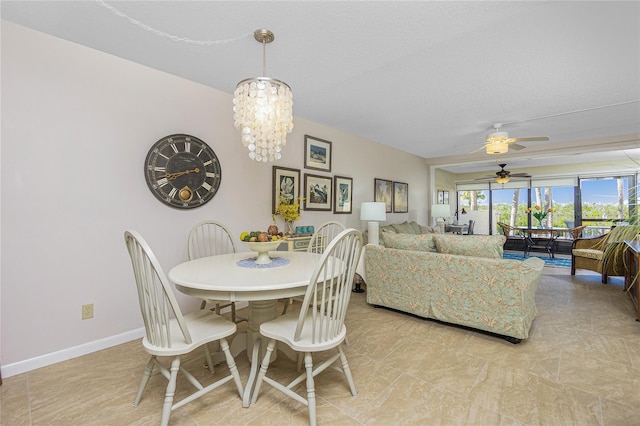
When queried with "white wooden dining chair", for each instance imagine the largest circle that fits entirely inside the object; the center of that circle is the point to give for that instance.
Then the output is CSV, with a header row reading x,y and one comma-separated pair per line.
x,y
320,324
169,333
211,238
317,244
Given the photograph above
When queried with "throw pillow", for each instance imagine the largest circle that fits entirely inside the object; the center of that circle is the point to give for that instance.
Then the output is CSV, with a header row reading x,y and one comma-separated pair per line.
x,y
402,228
423,242
415,228
490,246
427,229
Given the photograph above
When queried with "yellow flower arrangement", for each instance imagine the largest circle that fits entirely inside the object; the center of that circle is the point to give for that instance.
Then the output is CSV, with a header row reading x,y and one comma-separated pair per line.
x,y
538,213
288,209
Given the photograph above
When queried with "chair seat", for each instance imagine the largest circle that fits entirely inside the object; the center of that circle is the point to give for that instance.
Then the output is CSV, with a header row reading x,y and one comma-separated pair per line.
x,y
283,329
204,327
588,253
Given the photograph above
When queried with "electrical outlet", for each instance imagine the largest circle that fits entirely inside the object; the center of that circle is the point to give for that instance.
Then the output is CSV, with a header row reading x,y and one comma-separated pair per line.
x,y
87,311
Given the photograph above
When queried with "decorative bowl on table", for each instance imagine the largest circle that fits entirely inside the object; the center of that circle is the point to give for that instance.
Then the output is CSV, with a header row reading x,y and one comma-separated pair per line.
x,y
263,250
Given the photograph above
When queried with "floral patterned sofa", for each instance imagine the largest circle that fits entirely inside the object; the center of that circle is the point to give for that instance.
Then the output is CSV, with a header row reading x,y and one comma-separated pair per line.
x,y
459,279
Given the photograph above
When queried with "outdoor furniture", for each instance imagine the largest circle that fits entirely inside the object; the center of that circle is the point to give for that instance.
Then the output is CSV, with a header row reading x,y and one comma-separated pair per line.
x,y
603,254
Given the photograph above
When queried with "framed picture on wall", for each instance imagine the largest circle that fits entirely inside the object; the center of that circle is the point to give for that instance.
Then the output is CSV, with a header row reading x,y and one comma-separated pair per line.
x,y
400,197
286,183
317,192
343,190
445,197
317,154
383,192
440,197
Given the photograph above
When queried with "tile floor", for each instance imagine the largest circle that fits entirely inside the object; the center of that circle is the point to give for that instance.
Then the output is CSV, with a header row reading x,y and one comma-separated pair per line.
x,y
581,366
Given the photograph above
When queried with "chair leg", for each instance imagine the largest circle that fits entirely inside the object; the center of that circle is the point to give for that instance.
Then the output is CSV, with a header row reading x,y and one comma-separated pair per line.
x,y
286,305
233,311
224,345
263,370
347,371
573,265
207,356
311,390
203,304
145,379
171,390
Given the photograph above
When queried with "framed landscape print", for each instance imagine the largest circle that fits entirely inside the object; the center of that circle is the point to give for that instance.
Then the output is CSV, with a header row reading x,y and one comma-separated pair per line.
x,y
317,192
317,154
343,189
286,182
383,192
400,197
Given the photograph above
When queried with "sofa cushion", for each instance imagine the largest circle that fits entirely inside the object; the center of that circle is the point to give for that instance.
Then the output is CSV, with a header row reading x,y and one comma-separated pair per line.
x,y
404,228
588,253
428,229
490,246
422,242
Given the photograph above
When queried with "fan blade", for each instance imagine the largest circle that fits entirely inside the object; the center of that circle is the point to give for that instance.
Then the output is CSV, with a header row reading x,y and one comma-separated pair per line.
x,y
478,149
525,175
535,139
516,146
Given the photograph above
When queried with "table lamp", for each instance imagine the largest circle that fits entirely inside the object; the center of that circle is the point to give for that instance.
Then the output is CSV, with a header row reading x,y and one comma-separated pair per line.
x,y
373,213
439,212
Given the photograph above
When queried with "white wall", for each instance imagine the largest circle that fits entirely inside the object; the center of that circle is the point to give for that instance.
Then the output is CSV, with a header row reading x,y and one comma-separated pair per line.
x,y
76,126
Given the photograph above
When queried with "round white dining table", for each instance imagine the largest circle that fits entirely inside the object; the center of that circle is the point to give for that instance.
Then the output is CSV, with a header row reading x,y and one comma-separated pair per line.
x,y
222,278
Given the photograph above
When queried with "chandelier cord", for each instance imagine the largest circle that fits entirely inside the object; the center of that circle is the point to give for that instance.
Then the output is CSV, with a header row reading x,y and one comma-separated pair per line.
x,y
170,36
635,101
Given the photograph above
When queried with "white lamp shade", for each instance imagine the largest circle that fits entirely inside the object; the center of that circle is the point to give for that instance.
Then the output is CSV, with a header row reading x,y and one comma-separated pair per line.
x,y
440,210
372,211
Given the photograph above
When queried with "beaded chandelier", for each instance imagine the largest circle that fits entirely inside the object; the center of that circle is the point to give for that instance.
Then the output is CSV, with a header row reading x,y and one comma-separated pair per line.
x,y
263,110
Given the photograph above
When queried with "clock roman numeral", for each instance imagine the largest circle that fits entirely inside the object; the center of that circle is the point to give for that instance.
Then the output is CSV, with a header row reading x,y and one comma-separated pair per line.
x,y
173,193
162,182
187,146
174,147
206,186
212,175
160,169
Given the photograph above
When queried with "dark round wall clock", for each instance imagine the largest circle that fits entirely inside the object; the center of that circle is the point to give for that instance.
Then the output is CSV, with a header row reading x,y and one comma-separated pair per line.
x,y
182,171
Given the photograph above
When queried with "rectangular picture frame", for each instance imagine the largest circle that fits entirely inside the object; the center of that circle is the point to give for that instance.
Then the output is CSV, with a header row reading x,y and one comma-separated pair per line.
x,y
343,198
318,192
400,197
383,192
285,182
440,197
317,154
445,198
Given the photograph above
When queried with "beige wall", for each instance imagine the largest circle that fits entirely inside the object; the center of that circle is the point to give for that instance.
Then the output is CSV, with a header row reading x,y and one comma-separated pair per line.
x,y
76,127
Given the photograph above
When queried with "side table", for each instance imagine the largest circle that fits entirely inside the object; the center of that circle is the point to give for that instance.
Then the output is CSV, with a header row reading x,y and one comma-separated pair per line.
x,y
296,243
632,254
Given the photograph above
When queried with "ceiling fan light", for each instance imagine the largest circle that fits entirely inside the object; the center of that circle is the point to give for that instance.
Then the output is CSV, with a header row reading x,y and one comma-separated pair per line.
x,y
496,148
502,179
497,137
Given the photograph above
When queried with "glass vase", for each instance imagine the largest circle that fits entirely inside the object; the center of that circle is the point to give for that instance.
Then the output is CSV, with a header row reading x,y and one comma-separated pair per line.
x,y
288,228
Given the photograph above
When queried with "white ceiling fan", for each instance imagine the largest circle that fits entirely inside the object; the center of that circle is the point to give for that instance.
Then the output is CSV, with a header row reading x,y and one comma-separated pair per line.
x,y
498,141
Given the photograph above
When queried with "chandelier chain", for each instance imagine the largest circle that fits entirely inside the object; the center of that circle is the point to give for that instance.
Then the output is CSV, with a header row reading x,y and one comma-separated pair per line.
x,y
164,34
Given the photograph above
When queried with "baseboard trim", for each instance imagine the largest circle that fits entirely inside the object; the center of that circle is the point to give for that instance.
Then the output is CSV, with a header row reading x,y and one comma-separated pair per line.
x,y
69,353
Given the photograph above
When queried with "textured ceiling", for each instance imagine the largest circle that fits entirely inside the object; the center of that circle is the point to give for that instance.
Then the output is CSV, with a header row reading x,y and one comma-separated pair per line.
x,y
429,78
